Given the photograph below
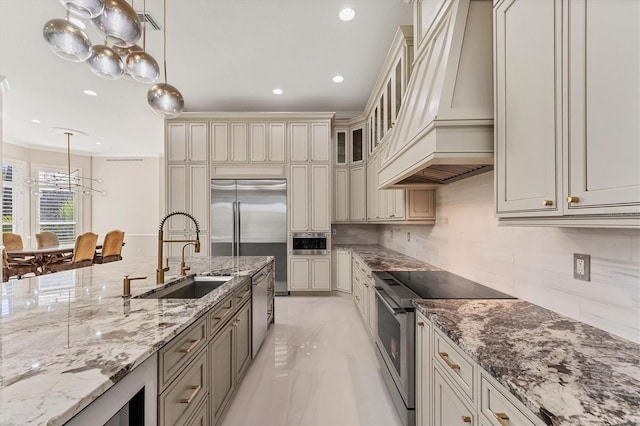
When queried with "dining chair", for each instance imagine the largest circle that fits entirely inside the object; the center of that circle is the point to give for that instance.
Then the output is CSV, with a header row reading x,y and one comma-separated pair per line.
x,y
15,268
47,239
12,241
83,254
111,247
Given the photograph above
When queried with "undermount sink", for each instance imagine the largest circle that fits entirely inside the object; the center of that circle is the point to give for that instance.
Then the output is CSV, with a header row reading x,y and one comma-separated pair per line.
x,y
190,288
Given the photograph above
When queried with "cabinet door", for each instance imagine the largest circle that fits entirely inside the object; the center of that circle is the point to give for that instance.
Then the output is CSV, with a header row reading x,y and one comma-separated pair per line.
x,y
299,273
373,310
423,371
358,147
219,142
604,107
299,197
448,407
199,196
320,197
277,142
176,196
299,141
341,195
421,205
258,142
176,142
357,193
221,374
341,147
321,274
398,204
242,326
198,142
528,107
239,142
343,270
320,142
372,205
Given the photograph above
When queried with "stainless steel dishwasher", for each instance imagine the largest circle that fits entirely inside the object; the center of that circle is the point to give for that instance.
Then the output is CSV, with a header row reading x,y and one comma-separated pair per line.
x,y
260,305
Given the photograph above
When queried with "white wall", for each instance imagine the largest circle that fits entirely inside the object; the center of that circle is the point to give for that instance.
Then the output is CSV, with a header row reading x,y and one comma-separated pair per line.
x,y
132,203
532,263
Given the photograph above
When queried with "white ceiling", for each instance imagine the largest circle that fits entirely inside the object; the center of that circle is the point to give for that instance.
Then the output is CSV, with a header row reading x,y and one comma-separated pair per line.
x,y
223,55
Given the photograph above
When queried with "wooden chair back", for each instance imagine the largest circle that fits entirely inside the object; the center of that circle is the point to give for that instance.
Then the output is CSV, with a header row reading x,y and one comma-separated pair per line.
x,y
112,245
47,239
12,241
85,247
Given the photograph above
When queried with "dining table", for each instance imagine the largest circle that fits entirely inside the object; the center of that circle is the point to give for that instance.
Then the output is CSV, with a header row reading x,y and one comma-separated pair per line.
x,y
42,258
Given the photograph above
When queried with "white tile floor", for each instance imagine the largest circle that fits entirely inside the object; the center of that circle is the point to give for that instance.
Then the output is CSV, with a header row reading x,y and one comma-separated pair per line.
x,y
317,366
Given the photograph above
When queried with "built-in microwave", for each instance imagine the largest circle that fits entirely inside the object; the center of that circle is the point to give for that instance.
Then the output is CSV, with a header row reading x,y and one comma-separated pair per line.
x,y
310,243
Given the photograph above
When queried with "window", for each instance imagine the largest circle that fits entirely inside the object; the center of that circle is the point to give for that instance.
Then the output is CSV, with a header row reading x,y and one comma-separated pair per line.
x,y
12,197
57,210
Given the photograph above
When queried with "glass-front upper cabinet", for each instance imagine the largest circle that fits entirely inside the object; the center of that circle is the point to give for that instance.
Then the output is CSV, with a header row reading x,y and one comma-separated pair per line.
x,y
341,136
357,144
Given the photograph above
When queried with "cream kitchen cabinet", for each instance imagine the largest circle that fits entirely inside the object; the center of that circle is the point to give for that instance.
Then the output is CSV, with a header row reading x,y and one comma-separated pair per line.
x,y
267,142
229,142
342,266
187,142
187,191
567,150
357,194
364,294
341,194
340,136
309,273
309,197
423,370
309,141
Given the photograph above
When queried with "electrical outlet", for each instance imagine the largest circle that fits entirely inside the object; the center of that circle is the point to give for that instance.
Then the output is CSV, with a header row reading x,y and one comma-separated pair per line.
x,y
391,234
335,231
582,266
408,236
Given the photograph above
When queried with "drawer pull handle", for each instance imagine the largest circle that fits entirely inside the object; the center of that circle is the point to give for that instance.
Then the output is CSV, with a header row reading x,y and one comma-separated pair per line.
x,y
420,324
573,199
547,203
196,389
226,312
466,419
502,418
445,358
246,293
194,343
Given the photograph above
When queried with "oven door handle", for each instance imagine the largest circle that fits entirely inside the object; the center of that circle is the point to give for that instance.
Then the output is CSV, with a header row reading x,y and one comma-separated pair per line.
x,y
381,295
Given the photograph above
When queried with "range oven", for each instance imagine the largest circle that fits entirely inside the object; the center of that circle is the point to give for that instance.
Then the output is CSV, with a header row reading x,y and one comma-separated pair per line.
x,y
314,243
395,292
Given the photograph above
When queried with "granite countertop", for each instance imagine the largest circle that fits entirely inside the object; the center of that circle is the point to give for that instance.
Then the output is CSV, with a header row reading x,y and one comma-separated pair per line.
x,y
379,258
565,371
66,338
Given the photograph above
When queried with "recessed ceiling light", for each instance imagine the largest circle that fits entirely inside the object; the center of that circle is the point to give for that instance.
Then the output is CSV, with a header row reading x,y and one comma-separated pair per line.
x,y
347,14
98,143
35,120
338,79
89,92
277,91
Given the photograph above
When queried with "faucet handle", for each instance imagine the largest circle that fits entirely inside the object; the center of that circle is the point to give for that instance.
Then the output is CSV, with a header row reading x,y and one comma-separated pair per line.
x,y
126,285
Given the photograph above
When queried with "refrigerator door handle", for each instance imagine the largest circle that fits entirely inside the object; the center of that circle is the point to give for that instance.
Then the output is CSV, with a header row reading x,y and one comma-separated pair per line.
x,y
238,228
233,238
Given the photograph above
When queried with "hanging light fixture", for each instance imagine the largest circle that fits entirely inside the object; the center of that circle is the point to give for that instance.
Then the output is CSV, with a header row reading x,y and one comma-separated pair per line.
x,y
119,23
164,99
84,8
105,63
72,181
67,40
140,65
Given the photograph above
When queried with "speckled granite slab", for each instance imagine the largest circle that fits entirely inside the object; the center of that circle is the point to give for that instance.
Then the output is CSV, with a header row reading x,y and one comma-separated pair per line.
x,y
66,338
379,258
575,373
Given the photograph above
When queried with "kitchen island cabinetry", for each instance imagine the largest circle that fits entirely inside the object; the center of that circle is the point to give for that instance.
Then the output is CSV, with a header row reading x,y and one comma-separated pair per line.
x,y
567,150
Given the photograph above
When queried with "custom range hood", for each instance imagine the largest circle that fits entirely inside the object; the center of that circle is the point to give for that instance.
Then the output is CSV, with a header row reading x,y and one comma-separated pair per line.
x,y
444,129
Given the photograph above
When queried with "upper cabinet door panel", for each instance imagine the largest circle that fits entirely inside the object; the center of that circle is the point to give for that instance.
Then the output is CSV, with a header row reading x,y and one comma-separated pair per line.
x,y
320,142
219,142
176,142
320,197
299,141
258,142
277,142
299,197
604,106
198,142
239,142
528,106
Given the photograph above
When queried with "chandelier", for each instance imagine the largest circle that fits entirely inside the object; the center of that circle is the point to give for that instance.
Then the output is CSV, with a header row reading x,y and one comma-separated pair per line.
x,y
71,181
119,56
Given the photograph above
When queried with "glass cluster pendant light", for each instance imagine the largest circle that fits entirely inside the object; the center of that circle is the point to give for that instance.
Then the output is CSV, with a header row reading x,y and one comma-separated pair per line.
x,y
84,8
105,63
67,40
119,23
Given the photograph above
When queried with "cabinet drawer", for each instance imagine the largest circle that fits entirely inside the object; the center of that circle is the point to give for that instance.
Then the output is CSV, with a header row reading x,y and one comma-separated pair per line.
x,y
183,397
449,408
364,270
178,352
454,363
242,294
497,407
201,417
220,314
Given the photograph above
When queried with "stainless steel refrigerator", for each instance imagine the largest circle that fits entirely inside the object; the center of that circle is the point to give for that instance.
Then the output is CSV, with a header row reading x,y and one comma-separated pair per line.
x,y
249,218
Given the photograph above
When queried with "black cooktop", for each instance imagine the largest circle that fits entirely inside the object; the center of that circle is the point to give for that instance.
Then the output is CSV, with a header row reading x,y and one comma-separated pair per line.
x,y
438,285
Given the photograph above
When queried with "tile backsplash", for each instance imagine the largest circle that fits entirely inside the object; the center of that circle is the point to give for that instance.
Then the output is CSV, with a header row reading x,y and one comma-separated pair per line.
x,y
532,263
360,234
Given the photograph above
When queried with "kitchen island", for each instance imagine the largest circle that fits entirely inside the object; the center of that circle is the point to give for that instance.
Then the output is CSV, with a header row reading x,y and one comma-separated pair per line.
x,y
68,337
